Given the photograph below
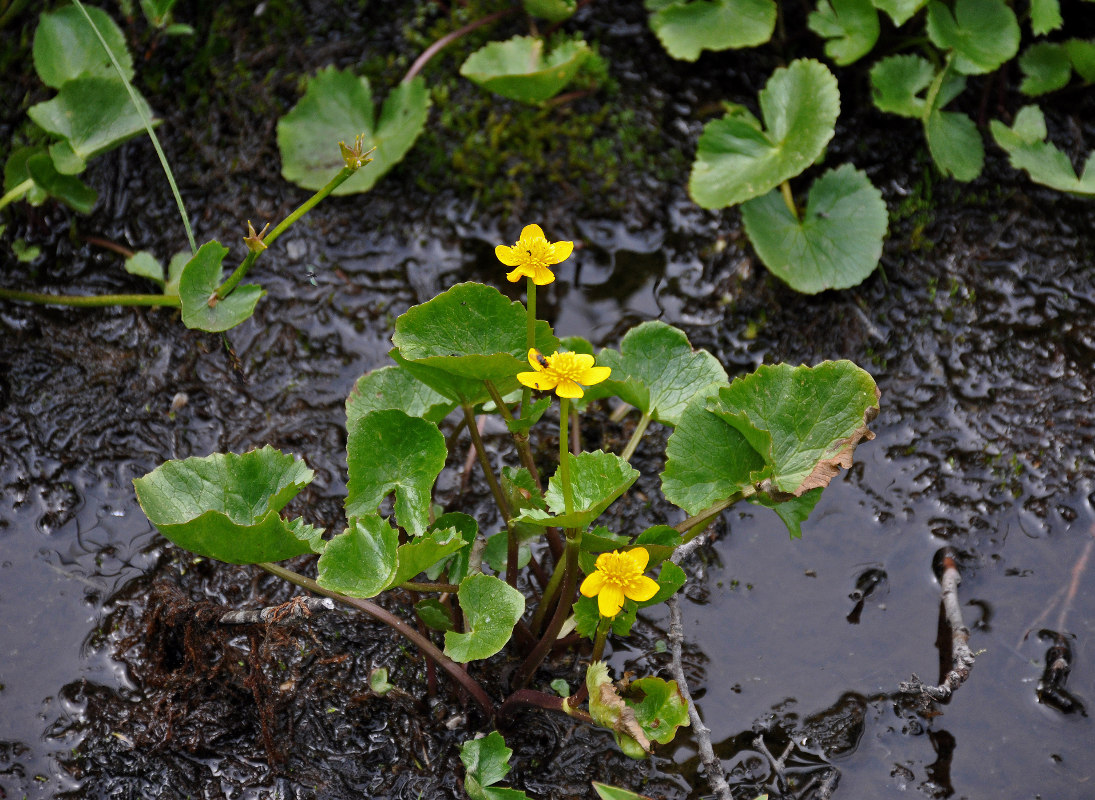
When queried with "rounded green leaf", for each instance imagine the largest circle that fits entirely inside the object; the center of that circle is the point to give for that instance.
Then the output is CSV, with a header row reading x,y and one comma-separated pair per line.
x,y
982,33
1046,68
849,26
146,265
1027,149
200,279
707,461
491,608
1082,55
338,106
597,478
835,245
361,561
388,451
804,421
955,144
519,70
423,552
659,707
897,82
392,387
225,506
657,371
900,11
686,29
93,114
471,331
737,160
66,47
69,189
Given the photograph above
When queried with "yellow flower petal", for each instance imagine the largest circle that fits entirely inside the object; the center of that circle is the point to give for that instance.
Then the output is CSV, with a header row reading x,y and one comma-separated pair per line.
x,y
539,381
542,276
638,558
560,251
610,600
532,232
594,375
641,588
593,584
517,274
568,388
506,255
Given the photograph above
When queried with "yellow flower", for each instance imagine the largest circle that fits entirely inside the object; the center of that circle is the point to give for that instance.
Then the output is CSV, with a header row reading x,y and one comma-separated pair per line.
x,y
562,372
618,576
532,255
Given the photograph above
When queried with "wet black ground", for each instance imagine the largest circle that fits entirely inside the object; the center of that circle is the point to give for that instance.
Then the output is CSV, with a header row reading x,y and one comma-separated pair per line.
x,y
980,331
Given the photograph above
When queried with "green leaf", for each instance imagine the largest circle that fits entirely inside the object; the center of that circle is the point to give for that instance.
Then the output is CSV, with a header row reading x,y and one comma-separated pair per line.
x,y
66,47
1045,16
361,561
378,681
596,479
225,506
1082,55
65,158
69,189
491,608
670,579
519,70
606,792
1046,67
793,512
657,371
93,114
434,614
736,160
561,687
338,106
422,553
456,388
850,26
1045,164
707,461
659,707
660,541
535,412
471,331
496,553
487,762
587,615
175,269
688,28
520,489
900,11
144,264
897,81
610,711
835,245
805,421
200,279
392,387
982,33
955,144
551,10
457,563
389,451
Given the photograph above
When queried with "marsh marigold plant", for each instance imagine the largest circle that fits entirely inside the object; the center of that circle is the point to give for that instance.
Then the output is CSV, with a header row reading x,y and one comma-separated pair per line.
x,y
533,255
564,372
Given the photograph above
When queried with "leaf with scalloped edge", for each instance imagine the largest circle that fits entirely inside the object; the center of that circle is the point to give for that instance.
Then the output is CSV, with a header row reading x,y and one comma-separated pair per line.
x,y
1046,68
226,506
491,608
900,11
955,144
850,28
389,451
736,159
597,478
361,561
1027,149
659,707
982,34
1045,16
393,387
519,69
200,279
487,762
686,29
898,81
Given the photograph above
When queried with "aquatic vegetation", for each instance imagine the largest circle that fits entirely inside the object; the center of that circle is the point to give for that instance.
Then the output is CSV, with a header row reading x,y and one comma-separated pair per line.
x,y
775,437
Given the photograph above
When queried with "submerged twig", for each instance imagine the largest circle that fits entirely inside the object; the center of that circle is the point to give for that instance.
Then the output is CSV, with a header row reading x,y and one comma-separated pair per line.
x,y
962,657
297,608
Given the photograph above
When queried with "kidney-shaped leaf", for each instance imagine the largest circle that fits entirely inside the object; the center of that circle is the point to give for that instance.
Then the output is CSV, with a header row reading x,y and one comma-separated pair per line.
x,y
657,371
897,81
849,26
805,421
65,46
92,114
737,160
1046,68
491,608
200,279
1027,149
470,331
659,707
836,244
389,451
360,561
686,29
596,478
519,70
225,506
392,387
337,107
982,33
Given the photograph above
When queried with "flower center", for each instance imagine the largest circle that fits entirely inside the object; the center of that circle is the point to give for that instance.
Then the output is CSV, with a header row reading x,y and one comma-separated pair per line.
x,y
564,366
536,252
618,569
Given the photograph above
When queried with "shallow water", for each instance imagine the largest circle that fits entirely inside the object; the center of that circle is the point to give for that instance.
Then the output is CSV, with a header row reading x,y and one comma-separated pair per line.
x,y
980,334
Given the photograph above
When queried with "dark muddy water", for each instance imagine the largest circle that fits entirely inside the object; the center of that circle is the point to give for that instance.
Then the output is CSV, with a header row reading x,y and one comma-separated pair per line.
x,y
980,332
